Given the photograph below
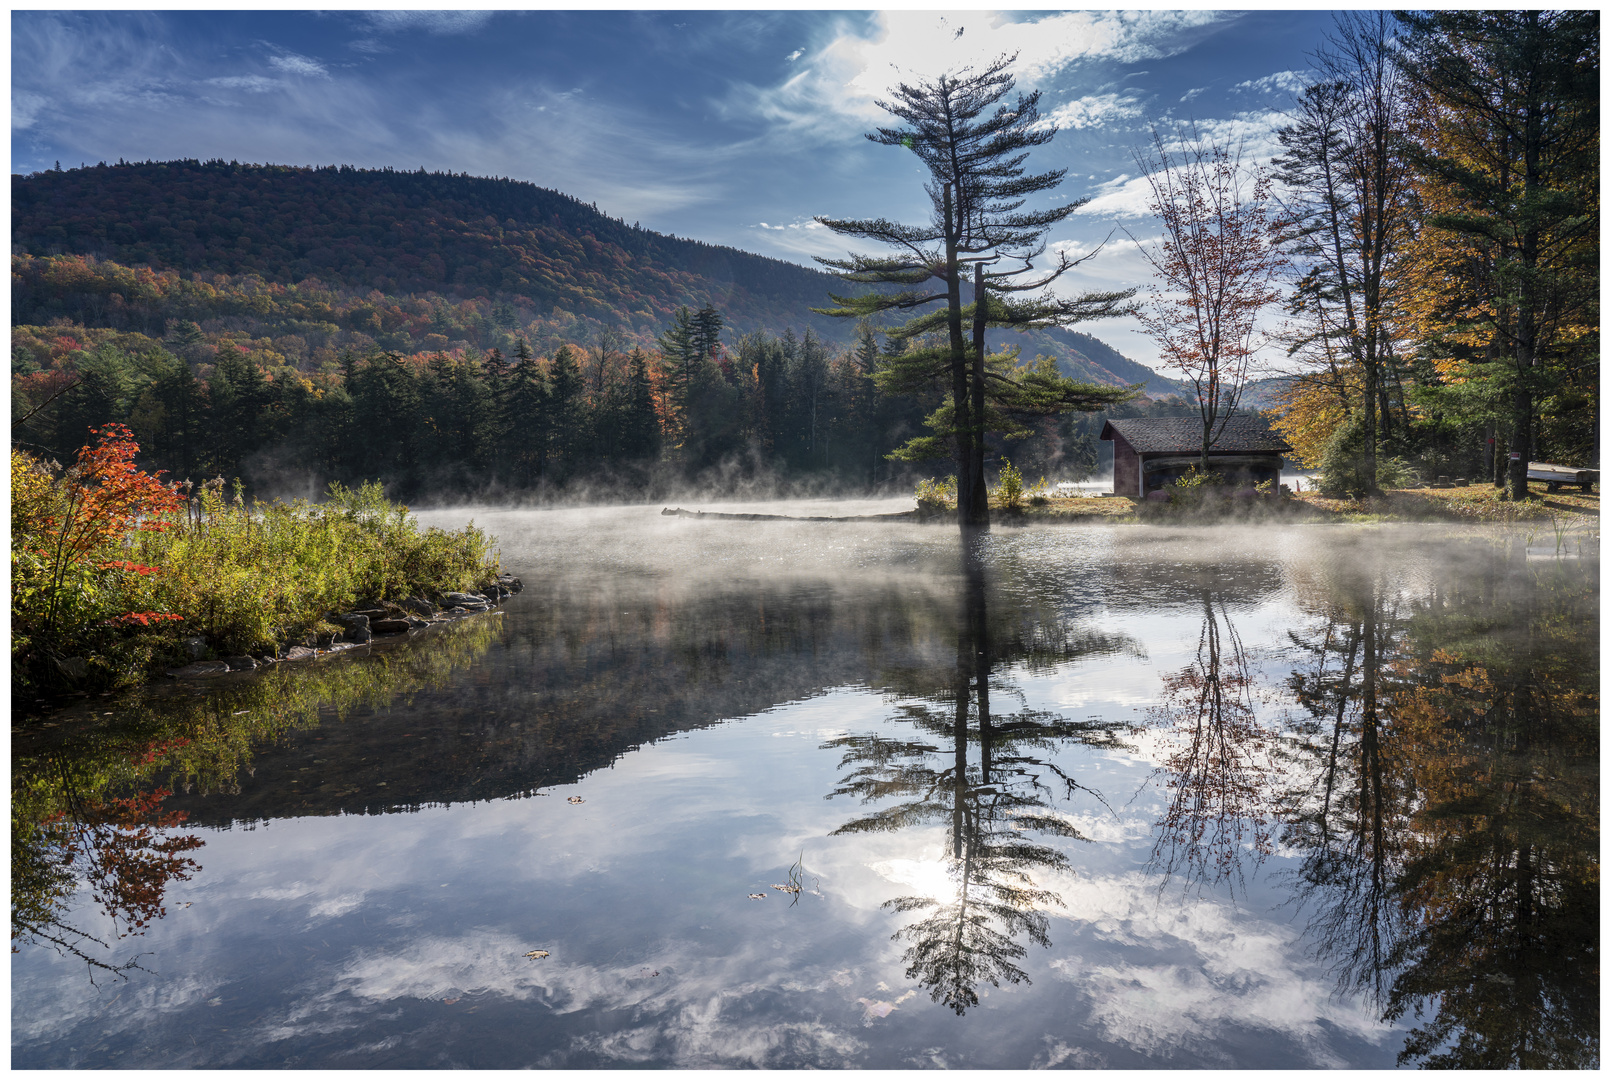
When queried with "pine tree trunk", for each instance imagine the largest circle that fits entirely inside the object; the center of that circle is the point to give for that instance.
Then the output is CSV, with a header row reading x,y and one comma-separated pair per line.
x,y
966,510
981,495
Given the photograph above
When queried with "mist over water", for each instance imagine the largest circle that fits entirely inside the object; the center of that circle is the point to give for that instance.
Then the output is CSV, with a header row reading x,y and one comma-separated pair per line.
x,y
717,793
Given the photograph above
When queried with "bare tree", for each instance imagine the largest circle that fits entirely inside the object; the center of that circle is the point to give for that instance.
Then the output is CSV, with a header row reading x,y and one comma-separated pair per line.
x,y
1215,268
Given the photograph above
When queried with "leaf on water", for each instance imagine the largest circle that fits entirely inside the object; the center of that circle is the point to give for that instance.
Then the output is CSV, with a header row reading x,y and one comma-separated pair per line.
x,y
757,896
536,954
787,888
574,799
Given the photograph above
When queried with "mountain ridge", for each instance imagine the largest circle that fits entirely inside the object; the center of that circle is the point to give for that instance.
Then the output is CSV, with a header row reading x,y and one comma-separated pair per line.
x,y
578,270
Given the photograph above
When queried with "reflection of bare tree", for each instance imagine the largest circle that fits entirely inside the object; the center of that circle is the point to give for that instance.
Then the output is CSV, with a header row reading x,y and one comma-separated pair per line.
x,y
991,803
1353,838
1218,772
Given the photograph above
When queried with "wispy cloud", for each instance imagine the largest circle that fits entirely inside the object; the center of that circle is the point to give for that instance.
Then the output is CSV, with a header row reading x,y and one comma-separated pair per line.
x,y
432,22
1282,82
254,84
292,64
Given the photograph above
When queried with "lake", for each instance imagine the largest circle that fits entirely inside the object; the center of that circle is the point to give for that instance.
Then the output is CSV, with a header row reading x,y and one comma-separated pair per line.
x,y
834,794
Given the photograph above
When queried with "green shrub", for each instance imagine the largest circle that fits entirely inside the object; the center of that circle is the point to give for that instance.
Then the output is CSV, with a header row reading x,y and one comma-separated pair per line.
x,y
935,496
1193,488
1009,492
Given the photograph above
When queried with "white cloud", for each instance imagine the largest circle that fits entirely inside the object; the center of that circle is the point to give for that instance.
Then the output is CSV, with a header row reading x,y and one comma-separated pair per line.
x,y
1124,196
795,55
1094,110
1193,92
865,59
1282,82
293,64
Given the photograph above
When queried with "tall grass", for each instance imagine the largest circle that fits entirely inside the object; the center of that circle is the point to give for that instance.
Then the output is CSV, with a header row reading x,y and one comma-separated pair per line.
x,y
111,569
251,579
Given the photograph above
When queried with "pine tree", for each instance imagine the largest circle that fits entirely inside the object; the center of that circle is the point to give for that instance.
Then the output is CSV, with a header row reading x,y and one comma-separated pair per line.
x,y
975,160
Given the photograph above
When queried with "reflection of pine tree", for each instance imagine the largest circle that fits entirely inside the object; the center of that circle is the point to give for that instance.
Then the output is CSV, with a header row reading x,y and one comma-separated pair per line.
x,y
989,802
1450,824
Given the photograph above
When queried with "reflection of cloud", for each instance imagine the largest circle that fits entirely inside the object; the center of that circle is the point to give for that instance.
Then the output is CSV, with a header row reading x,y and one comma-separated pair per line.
x,y
1197,968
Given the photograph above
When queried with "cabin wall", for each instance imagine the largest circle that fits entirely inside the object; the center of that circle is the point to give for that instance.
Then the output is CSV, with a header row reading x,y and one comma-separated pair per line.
x,y
1126,468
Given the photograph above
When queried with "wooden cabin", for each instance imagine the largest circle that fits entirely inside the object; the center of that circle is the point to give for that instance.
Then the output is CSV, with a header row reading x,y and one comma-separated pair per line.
x,y
1151,453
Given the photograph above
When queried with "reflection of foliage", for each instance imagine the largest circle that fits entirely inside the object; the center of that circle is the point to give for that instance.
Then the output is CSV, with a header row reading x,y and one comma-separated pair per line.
x,y
122,849
1219,772
989,804
1451,849
86,800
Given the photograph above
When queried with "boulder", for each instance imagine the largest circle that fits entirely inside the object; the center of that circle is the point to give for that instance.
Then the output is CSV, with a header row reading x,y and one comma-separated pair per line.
x,y
352,620
459,599
300,652
423,608
388,626
417,623
200,667
360,634
240,663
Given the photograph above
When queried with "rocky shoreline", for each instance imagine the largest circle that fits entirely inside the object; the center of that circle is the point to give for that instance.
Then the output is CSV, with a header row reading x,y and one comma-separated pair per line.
x,y
365,623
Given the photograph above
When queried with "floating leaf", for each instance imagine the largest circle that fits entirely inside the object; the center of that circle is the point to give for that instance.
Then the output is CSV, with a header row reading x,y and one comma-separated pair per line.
x,y
574,799
536,954
757,896
787,888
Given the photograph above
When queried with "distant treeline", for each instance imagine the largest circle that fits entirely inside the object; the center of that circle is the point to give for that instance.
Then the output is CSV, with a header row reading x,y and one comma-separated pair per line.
x,y
470,423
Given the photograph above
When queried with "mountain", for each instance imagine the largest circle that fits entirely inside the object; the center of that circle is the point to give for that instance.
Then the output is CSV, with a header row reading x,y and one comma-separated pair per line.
x,y
528,259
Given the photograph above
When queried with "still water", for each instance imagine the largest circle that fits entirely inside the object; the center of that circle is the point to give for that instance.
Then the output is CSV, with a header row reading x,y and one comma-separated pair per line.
x,y
789,794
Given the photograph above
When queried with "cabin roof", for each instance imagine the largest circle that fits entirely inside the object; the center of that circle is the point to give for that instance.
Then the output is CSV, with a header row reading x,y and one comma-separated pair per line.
x,y
1184,435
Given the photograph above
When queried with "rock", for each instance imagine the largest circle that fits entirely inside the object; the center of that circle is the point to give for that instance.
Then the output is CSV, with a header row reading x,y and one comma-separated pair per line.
x,y
510,582
417,623
1159,496
240,663
324,641
299,652
457,611
196,645
74,667
419,607
201,667
388,626
361,634
352,620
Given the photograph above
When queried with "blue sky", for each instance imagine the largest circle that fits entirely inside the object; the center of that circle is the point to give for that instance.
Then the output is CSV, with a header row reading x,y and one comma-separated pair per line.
x,y
728,126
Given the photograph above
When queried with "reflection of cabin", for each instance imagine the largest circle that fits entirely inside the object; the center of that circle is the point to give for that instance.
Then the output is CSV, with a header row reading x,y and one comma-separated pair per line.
x,y
1150,453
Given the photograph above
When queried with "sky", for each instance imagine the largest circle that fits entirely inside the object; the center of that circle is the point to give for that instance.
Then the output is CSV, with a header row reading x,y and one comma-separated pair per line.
x,y
732,127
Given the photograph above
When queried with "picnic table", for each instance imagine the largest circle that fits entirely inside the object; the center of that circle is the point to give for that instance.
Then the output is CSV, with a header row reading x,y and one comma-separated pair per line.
x,y
1556,475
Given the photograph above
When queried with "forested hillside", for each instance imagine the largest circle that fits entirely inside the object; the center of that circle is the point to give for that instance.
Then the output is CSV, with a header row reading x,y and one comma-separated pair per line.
x,y
281,251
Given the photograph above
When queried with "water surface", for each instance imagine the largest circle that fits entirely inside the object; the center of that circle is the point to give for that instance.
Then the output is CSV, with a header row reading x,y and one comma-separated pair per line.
x,y
1076,797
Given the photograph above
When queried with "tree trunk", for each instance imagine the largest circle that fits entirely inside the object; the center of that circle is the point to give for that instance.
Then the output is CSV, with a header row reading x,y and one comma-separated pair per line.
x,y
959,368
981,496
